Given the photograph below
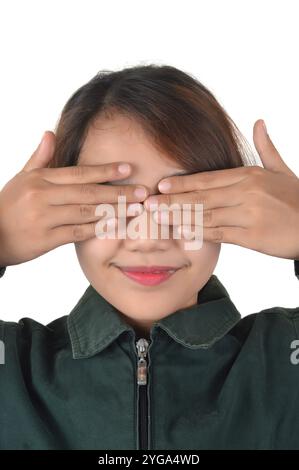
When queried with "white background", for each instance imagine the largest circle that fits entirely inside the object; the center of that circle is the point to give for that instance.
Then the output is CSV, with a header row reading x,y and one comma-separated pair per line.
x,y
245,52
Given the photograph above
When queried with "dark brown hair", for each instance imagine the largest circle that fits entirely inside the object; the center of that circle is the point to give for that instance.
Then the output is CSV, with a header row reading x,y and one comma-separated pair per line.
x,y
180,115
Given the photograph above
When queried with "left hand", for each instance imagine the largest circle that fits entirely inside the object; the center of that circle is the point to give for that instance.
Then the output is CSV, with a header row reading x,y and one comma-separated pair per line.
x,y
254,207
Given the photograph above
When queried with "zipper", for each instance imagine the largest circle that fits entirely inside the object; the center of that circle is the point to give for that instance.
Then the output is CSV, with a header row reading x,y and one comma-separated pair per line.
x,y
142,346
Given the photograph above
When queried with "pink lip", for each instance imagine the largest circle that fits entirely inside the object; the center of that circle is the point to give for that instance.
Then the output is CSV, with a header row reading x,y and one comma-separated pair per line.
x,y
147,269
145,274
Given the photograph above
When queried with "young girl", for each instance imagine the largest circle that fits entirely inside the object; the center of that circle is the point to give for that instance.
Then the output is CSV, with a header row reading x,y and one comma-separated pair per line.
x,y
155,354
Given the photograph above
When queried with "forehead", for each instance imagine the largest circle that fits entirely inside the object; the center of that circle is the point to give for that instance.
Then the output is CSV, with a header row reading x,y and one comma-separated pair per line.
x,y
120,138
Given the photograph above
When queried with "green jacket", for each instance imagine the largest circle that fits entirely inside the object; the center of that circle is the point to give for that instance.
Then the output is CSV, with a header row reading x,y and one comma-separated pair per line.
x,y
206,379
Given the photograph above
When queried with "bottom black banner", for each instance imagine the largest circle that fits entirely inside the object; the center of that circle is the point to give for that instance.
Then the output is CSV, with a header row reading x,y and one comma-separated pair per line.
x,y
131,459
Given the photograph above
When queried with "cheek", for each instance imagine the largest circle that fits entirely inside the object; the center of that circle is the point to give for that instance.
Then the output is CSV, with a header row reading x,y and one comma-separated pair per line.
x,y
95,252
206,257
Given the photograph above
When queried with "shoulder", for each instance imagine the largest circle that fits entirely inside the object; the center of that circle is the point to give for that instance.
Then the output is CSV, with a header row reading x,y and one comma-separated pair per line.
x,y
272,322
270,340
29,335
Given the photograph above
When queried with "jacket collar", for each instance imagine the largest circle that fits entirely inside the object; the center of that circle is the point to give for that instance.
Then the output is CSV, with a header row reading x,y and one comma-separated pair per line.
x,y
94,323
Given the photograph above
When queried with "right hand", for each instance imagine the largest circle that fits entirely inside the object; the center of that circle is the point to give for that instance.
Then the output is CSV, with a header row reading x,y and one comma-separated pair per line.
x,y
42,208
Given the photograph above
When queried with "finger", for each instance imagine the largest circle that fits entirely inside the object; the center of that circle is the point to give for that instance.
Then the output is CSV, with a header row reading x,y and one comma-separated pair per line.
x,y
79,232
202,180
209,198
86,173
59,194
86,213
43,153
227,216
234,235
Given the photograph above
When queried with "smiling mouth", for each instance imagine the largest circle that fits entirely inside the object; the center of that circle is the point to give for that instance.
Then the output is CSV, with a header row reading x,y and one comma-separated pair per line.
x,y
148,275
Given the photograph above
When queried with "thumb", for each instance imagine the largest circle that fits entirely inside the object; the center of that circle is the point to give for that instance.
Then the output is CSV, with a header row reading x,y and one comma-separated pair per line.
x,y
267,151
43,153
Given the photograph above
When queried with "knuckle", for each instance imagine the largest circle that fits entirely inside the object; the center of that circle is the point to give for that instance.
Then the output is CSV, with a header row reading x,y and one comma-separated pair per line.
x,y
77,171
255,214
78,232
38,172
260,187
217,235
104,171
251,186
180,185
250,215
110,169
199,198
255,172
32,192
121,191
87,190
207,215
107,170
196,196
255,189
85,210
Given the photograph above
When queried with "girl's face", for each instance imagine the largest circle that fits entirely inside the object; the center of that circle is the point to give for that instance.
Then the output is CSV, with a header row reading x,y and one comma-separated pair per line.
x,y
122,139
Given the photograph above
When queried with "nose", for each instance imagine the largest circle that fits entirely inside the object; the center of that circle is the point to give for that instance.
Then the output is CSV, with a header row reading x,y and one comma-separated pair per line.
x,y
144,234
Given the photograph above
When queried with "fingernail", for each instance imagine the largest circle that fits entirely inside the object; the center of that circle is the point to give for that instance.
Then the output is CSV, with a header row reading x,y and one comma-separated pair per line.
x,y
123,168
140,192
164,186
265,128
135,209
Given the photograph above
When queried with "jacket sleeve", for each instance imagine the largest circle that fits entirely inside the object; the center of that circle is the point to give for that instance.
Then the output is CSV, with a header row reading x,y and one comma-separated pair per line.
x,y
296,268
2,271
278,351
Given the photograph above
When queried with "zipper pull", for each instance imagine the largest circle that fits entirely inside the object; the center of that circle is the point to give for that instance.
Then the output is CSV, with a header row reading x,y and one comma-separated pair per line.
x,y
142,347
